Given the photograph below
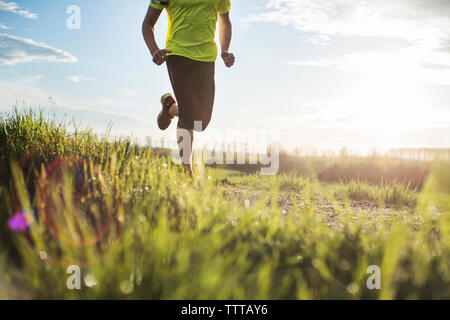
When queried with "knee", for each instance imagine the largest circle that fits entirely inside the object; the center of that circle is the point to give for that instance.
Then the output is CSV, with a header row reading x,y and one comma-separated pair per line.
x,y
204,123
197,120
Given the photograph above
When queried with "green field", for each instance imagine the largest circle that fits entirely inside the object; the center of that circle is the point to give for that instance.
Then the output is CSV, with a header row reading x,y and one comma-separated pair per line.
x,y
139,228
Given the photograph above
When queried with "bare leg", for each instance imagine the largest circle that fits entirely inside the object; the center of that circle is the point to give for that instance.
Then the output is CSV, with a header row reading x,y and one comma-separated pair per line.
x,y
194,89
185,139
182,136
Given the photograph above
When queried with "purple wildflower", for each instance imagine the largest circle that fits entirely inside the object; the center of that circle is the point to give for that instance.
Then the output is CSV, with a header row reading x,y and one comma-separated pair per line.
x,y
20,222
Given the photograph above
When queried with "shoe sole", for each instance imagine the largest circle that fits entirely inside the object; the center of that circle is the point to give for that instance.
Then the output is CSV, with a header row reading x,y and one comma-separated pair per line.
x,y
163,98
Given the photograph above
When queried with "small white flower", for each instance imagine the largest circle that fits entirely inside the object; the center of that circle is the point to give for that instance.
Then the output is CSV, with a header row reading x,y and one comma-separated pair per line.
x,y
43,255
89,280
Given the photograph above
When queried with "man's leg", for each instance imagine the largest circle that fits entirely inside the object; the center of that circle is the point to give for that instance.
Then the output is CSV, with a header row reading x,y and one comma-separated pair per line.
x,y
202,92
185,139
180,71
193,85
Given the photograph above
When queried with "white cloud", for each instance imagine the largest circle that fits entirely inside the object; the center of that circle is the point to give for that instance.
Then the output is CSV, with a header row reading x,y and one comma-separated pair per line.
x,y
423,24
24,92
3,26
29,79
415,20
15,50
15,8
127,92
79,78
417,61
21,91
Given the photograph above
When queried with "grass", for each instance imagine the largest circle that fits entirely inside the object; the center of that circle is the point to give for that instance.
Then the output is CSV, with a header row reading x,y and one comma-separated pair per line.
x,y
140,228
406,167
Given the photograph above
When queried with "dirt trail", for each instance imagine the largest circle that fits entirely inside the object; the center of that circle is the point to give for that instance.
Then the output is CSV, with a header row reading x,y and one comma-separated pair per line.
x,y
324,207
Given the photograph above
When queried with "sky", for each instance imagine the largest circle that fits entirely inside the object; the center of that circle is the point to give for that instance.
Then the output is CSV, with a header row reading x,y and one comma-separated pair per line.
x,y
321,74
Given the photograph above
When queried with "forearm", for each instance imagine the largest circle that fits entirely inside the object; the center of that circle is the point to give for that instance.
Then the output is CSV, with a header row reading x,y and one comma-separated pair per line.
x,y
226,32
149,37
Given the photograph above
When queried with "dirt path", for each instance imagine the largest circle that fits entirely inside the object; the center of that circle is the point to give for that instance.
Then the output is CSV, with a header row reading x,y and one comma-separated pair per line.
x,y
324,207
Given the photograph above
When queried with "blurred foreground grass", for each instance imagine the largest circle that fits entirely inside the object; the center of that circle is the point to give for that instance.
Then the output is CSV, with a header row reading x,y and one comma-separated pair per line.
x,y
138,227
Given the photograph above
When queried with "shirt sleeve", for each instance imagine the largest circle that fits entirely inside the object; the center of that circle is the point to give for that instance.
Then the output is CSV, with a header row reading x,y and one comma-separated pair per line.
x,y
224,6
159,4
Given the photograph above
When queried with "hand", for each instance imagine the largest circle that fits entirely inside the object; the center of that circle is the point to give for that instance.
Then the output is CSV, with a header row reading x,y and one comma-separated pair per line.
x,y
228,58
160,56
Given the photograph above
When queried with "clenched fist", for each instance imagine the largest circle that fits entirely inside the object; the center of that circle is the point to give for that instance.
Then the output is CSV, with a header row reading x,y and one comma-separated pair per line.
x,y
228,58
160,56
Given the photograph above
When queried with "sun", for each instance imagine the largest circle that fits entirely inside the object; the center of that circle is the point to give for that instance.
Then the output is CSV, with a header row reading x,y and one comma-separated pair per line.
x,y
384,101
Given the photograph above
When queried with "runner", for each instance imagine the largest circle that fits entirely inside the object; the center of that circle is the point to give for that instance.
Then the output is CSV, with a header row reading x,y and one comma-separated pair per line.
x,y
190,54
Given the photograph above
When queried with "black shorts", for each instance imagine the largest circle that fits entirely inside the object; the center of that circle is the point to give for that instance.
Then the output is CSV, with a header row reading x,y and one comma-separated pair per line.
x,y
194,88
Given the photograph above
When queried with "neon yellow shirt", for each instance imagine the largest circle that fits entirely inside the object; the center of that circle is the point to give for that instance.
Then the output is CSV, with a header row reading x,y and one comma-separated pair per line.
x,y
192,26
